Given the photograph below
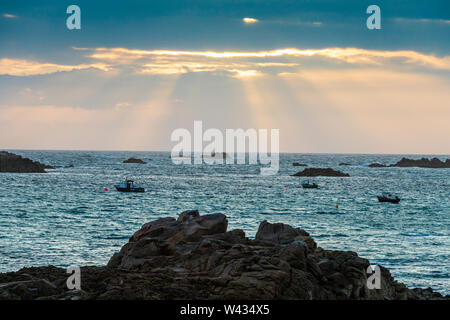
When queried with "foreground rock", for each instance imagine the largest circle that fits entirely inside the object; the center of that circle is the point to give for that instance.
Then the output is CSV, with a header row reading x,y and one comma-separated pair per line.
x,y
320,172
134,160
195,257
10,162
422,163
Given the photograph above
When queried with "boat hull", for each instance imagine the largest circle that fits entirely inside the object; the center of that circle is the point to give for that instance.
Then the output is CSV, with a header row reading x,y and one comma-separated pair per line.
x,y
121,189
382,199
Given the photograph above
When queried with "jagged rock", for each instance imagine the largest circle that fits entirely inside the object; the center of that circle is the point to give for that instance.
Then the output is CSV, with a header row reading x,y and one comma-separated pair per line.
x,y
298,164
422,163
134,160
324,172
208,262
283,234
10,162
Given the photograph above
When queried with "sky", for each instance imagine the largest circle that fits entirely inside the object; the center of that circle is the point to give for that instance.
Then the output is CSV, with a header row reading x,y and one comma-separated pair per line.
x,y
138,70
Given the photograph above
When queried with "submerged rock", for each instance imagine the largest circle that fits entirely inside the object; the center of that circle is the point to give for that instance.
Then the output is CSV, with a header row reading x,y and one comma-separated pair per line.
x,y
298,164
10,162
195,257
134,160
324,172
377,165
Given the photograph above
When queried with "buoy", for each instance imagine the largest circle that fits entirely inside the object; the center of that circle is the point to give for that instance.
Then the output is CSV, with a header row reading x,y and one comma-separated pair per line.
x,y
106,189
337,207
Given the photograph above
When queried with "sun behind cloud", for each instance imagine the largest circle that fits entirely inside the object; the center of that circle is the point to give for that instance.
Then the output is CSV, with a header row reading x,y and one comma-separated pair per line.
x,y
250,20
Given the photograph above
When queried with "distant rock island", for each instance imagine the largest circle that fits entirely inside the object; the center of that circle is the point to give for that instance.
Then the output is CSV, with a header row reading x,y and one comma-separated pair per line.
x,y
421,163
10,162
298,164
195,258
320,172
134,160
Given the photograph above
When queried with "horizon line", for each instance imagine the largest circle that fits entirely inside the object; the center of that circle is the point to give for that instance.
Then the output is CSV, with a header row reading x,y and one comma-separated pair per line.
x,y
169,151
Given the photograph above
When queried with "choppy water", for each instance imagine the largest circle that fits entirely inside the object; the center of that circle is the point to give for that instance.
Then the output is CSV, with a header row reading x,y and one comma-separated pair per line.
x,y
66,218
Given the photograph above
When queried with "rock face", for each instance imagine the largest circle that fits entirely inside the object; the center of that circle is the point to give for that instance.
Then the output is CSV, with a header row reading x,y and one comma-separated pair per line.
x,y
195,257
422,163
10,162
134,160
298,164
316,172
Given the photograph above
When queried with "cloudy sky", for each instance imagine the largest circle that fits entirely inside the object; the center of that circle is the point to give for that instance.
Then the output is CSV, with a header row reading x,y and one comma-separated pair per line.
x,y
137,70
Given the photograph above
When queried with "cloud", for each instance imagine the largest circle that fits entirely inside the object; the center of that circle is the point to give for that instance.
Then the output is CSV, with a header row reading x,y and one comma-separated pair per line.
x,y
233,63
20,67
250,20
9,16
170,62
412,20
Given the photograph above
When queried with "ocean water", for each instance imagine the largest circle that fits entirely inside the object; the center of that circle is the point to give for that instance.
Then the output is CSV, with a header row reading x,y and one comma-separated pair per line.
x,y
66,218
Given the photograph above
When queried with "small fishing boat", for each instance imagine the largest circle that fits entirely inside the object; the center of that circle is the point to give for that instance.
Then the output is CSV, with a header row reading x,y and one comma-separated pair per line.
x,y
388,198
308,185
128,186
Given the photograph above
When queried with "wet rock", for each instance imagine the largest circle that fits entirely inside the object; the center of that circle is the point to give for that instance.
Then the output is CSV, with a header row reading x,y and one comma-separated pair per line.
x,y
324,172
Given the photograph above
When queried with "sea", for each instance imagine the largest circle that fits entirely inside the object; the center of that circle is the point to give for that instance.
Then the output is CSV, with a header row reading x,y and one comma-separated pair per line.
x,y
74,216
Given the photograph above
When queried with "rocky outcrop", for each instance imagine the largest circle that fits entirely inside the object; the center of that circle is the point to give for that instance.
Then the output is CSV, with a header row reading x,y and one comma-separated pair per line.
x,y
134,160
195,257
422,163
298,164
320,172
10,162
